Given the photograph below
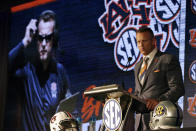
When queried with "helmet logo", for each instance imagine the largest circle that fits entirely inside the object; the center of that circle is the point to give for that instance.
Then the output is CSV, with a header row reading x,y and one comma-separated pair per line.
x,y
53,119
166,115
160,110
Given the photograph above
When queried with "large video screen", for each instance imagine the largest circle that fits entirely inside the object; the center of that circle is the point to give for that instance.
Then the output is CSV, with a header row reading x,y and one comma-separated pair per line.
x,y
96,39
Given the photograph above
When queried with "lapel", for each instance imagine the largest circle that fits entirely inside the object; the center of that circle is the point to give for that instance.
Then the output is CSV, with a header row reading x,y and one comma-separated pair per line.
x,y
152,65
137,70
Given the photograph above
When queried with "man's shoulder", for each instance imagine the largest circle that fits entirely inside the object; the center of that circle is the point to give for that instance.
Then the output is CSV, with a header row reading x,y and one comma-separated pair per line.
x,y
167,57
60,67
164,54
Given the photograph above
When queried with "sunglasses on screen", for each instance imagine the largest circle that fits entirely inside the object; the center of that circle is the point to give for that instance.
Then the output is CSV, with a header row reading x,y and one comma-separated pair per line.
x,y
48,38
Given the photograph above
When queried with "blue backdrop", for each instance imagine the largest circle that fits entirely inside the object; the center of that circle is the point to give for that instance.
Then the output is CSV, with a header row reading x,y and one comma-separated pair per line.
x,y
91,47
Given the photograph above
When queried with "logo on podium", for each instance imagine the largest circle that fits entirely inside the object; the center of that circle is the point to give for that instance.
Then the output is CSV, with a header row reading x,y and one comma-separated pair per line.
x,y
112,114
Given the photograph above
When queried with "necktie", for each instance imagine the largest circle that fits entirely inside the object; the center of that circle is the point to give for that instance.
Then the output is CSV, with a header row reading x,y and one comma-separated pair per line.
x,y
143,69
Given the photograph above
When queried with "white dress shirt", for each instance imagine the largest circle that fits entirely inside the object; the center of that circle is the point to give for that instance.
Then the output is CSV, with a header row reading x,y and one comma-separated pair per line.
x,y
150,56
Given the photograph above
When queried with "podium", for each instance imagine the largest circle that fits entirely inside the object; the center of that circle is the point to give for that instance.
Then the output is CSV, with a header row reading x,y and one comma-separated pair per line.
x,y
128,102
115,91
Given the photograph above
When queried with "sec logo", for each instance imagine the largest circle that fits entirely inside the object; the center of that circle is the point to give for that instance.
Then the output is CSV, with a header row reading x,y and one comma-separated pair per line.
x,y
112,114
192,72
125,48
193,6
166,11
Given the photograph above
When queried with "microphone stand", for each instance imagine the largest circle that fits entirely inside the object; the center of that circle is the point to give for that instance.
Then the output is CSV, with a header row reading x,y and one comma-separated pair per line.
x,y
130,102
124,69
129,59
126,114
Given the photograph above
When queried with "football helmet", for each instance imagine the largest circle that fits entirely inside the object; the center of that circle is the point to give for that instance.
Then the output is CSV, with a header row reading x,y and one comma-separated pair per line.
x,y
63,121
166,115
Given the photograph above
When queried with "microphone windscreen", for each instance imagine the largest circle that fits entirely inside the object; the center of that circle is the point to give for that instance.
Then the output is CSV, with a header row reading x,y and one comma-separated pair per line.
x,y
130,58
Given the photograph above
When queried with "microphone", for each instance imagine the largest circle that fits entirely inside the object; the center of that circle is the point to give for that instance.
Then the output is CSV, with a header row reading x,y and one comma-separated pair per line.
x,y
129,59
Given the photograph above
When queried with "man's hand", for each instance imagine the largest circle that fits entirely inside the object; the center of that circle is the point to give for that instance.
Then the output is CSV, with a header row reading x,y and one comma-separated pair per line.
x,y
30,32
151,103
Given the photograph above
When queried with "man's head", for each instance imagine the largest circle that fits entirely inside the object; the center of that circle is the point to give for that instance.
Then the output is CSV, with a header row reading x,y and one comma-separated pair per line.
x,y
145,40
46,34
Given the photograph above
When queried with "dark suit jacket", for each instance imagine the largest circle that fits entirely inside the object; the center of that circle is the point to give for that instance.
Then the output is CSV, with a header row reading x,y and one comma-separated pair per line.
x,y
162,81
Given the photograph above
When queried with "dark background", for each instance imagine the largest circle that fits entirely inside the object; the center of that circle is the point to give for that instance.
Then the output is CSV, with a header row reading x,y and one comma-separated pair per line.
x,y
88,59
4,37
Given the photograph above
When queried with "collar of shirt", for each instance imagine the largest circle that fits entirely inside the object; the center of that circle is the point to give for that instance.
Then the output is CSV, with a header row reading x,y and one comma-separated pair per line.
x,y
151,56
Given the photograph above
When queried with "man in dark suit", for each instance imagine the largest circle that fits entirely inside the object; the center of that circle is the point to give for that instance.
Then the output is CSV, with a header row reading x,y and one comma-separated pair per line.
x,y
158,76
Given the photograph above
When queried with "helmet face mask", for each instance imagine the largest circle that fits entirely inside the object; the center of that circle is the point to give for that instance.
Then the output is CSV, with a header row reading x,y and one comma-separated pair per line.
x,y
165,115
70,125
63,121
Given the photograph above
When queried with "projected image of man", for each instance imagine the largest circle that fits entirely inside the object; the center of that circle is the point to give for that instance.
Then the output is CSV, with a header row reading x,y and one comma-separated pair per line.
x,y
45,80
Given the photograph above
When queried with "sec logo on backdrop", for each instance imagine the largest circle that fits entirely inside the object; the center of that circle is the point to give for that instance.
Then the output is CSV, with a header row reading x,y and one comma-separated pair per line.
x,y
125,48
193,6
166,11
192,72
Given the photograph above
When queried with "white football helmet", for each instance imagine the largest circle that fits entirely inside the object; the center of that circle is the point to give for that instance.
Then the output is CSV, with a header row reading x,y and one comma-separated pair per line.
x,y
166,115
63,121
